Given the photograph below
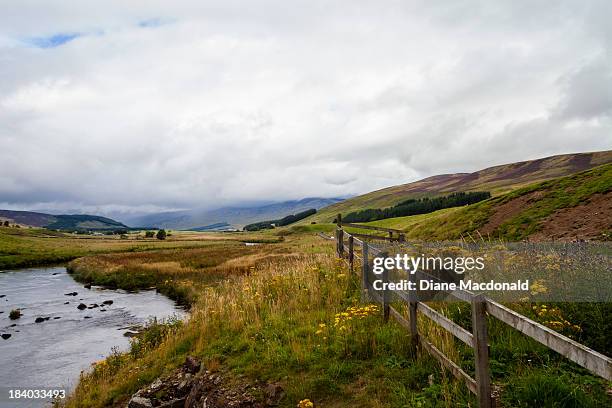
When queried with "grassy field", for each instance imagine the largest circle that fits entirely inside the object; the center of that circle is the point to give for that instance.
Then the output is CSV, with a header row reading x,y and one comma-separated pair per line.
x,y
25,247
290,313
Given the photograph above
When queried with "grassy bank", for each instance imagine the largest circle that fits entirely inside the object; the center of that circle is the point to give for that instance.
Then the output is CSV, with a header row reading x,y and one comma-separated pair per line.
x,y
182,274
290,313
278,324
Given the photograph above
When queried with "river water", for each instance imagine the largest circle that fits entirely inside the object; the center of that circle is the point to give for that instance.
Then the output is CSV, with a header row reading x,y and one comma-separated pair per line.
x,y
51,354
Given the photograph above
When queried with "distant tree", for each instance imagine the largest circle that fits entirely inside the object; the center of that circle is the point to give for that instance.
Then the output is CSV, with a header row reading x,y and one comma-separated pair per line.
x,y
149,234
161,234
417,206
6,223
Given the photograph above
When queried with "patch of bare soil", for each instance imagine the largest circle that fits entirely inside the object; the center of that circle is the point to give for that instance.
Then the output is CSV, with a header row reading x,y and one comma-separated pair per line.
x,y
586,221
508,210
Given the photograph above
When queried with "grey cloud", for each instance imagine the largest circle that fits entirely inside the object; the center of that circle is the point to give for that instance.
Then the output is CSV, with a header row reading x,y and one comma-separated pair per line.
x,y
588,92
214,103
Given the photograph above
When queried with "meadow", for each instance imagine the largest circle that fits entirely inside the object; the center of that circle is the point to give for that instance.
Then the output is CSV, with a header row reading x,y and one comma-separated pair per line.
x,y
290,313
25,247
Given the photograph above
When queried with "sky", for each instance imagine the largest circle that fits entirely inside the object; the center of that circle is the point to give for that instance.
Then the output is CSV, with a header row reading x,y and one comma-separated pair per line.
x,y
143,106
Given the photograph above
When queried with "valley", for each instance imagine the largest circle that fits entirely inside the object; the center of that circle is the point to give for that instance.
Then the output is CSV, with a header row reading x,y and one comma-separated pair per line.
x,y
275,312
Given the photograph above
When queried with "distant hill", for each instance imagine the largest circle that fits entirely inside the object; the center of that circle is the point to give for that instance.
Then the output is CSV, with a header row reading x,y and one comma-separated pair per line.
x,y
573,207
60,222
235,216
497,180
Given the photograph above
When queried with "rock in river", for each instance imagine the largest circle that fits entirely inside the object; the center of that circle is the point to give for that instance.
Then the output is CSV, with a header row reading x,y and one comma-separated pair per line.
x,y
39,320
82,306
71,294
6,336
87,286
107,302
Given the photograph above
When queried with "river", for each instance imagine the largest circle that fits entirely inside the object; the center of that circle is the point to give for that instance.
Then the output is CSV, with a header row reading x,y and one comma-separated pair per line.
x,y
51,354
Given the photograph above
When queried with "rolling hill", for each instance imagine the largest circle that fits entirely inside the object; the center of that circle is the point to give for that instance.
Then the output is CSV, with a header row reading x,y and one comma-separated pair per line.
x,y
236,216
60,222
567,208
497,180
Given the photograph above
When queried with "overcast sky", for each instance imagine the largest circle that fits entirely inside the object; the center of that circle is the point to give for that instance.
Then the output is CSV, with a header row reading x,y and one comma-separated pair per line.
x,y
152,105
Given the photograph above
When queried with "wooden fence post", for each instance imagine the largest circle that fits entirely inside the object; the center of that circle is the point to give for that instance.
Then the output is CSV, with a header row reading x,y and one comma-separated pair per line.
x,y
386,294
351,252
481,351
412,309
337,242
340,242
365,267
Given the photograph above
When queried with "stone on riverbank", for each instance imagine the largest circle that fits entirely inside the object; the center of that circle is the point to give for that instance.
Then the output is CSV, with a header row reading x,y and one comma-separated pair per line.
x,y
140,402
183,388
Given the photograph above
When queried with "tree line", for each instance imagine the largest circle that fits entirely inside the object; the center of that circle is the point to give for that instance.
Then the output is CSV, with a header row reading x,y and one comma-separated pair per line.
x,y
417,206
290,219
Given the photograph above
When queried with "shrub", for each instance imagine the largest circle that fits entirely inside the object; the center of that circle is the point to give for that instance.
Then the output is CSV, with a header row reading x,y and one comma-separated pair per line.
x,y
161,234
149,234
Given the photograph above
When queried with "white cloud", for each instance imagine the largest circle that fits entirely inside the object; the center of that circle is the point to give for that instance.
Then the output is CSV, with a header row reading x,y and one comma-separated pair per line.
x,y
190,104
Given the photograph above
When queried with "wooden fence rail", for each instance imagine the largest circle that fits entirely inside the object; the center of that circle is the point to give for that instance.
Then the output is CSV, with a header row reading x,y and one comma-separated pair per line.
x,y
595,362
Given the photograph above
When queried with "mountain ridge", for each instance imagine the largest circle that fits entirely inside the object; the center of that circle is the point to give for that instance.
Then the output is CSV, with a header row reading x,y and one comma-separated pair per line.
x,y
235,216
61,221
496,179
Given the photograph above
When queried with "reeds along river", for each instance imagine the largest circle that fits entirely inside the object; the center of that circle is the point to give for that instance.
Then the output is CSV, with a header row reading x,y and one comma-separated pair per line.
x,y
51,354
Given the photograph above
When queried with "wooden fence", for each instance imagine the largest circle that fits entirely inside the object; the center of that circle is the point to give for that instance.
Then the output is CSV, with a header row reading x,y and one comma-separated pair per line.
x,y
477,339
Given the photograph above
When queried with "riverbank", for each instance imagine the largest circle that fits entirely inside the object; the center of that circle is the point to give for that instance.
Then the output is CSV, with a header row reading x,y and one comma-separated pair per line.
x,y
54,340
